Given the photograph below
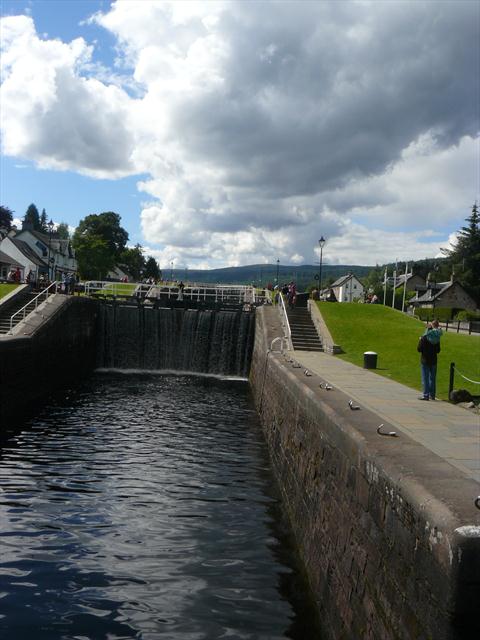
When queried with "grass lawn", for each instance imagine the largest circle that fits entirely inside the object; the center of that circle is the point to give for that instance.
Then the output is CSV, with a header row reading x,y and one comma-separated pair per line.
x,y
394,336
118,289
5,289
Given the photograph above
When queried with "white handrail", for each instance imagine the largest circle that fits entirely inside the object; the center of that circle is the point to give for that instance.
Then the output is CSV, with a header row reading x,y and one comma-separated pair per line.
x,y
285,322
233,293
35,300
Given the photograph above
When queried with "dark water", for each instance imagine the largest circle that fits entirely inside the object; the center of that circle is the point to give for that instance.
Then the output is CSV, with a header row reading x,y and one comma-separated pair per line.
x,y
144,507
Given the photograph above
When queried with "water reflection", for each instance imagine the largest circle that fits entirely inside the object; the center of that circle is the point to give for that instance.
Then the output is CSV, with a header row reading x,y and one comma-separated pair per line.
x,y
143,507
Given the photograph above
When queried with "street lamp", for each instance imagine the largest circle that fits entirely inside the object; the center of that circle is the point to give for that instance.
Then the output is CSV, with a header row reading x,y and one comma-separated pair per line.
x,y
50,226
321,244
278,266
171,271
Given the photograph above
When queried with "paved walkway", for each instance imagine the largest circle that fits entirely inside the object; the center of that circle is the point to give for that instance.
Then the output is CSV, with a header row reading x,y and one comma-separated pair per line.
x,y
449,431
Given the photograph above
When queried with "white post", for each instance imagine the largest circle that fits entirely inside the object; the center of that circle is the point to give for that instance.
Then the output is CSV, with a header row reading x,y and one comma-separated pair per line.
x,y
405,287
394,285
385,286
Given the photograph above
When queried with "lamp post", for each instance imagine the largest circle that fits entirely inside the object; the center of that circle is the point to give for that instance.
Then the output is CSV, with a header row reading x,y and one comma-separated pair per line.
x,y
171,271
50,226
321,244
278,266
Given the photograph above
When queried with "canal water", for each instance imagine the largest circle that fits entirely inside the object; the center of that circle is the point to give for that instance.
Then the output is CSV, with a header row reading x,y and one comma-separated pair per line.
x,y
143,506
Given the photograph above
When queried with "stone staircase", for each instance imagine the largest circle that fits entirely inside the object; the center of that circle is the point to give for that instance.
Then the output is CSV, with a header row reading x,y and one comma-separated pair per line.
x,y
304,334
14,304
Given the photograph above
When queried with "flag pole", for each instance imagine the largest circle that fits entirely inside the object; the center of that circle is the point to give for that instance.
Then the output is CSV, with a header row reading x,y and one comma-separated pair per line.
x,y
405,287
385,286
394,285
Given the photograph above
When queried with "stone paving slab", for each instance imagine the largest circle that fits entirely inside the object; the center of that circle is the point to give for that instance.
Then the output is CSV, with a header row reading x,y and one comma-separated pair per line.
x,y
451,432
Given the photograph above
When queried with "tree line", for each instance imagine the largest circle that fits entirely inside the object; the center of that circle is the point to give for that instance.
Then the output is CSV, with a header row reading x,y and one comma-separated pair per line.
x,y
100,243
462,259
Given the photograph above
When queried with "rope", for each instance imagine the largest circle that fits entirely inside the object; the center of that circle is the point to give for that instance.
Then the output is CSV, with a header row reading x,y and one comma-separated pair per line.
x,y
465,377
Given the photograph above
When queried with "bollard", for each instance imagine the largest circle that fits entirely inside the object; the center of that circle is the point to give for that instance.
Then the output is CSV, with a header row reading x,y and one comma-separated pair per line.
x,y
370,360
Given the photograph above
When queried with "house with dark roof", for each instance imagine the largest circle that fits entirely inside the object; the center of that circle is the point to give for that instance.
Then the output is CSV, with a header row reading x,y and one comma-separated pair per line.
x,y
7,264
45,253
348,288
449,294
413,280
20,253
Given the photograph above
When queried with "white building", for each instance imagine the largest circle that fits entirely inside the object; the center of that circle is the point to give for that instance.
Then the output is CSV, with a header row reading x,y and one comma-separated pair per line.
x,y
20,254
348,289
40,253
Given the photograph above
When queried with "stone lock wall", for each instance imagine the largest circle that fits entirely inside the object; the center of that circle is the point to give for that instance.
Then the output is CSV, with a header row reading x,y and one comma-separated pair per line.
x,y
382,524
53,349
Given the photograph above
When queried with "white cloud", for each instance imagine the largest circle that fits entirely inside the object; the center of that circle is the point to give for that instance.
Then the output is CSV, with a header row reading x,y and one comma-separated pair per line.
x,y
264,125
52,115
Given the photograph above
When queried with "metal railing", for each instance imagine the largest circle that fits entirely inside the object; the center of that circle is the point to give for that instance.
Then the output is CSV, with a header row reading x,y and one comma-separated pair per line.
x,y
32,305
285,322
234,294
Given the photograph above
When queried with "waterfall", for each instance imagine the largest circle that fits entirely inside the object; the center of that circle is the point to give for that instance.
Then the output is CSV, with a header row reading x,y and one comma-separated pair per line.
x,y
194,340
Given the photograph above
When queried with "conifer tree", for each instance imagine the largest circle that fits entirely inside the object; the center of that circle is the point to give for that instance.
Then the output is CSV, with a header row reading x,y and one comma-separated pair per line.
x,y
6,218
43,222
33,217
464,256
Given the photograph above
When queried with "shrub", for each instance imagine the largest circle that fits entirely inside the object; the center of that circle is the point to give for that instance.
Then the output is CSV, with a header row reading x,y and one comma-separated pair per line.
x,y
441,313
466,316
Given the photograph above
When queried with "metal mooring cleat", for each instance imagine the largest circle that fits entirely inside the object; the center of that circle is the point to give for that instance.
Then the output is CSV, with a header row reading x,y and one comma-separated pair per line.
x,y
387,433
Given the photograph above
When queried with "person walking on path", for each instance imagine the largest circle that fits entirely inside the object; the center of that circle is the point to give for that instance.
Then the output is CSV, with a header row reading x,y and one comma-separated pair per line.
x,y
429,347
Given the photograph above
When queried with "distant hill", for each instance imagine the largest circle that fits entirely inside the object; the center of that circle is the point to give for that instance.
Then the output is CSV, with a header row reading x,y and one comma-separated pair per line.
x,y
262,274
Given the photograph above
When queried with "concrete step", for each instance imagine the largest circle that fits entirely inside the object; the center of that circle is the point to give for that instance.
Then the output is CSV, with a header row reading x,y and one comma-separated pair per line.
x,y
301,342
303,332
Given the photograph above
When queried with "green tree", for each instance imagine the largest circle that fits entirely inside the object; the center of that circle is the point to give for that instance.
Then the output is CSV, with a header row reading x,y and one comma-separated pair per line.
x,y
32,217
152,270
43,222
134,261
98,242
6,218
373,282
464,257
94,257
63,231
106,225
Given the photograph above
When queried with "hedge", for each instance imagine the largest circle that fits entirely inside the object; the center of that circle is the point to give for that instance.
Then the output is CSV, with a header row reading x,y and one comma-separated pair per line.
x,y
441,313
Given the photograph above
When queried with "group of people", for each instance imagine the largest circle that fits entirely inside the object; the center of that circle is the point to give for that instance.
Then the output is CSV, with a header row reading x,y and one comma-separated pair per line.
x,y
14,275
290,292
68,282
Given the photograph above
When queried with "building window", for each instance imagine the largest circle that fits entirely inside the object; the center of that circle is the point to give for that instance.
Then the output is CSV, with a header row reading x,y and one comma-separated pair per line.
x,y
42,248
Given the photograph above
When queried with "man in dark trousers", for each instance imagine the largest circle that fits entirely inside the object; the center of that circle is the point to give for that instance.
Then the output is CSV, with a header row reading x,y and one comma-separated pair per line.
x,y
429,347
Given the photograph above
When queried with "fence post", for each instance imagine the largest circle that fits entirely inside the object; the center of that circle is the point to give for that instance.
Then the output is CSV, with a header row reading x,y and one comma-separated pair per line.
x,y
452,376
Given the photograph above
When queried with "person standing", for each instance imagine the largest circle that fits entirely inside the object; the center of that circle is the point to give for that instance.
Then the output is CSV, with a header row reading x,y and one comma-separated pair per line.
x,y
429,347
181,287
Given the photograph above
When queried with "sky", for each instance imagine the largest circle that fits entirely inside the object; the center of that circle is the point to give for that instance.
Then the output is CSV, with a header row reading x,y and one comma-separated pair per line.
x,y
234,133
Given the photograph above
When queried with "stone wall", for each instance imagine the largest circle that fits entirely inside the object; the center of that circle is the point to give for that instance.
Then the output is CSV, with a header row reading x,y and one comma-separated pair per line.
x,y
53,349
385,528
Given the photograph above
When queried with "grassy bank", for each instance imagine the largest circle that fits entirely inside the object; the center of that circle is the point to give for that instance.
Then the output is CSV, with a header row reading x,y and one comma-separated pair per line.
x,y
394,336
5,289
